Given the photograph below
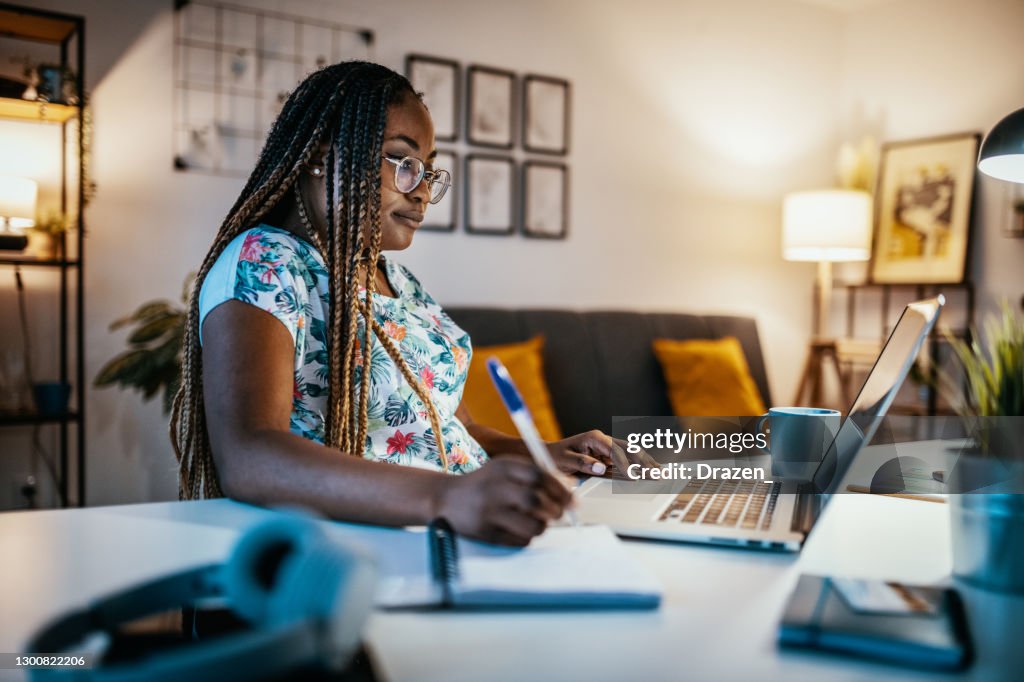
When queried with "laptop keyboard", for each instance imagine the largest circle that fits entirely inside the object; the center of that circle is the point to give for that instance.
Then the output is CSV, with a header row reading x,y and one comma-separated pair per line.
x,y
737,504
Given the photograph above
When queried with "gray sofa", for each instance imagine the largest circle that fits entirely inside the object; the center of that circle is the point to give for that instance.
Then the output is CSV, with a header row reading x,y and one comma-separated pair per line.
x,y
599,364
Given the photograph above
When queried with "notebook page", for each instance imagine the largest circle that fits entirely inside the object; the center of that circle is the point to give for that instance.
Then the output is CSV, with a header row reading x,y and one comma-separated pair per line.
x,y
585,560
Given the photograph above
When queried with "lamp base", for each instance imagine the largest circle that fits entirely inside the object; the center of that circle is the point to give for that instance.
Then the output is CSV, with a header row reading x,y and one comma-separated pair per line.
x,y
12,242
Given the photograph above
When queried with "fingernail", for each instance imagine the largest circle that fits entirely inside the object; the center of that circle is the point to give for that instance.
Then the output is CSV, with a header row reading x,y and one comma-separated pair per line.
x,y
597,468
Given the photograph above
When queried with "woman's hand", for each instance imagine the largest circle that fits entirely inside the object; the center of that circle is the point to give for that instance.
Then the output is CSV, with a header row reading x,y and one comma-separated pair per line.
x,y
507,501
595,453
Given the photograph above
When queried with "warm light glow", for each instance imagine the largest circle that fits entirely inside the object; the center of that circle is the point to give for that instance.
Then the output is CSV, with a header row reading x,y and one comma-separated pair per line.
x,y
17,201
826,225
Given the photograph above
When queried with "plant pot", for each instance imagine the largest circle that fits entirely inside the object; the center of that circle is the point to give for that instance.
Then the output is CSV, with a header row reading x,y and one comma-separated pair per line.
x,y
987,521
51,398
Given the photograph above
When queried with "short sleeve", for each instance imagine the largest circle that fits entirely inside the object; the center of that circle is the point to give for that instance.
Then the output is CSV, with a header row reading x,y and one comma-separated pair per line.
x,y
259,268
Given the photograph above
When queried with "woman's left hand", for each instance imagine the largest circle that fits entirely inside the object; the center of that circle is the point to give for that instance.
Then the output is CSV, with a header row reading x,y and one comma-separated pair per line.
x,y
594,453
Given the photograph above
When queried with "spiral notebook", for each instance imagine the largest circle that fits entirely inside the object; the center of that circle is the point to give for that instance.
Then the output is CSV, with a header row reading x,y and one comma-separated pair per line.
x,y
584,567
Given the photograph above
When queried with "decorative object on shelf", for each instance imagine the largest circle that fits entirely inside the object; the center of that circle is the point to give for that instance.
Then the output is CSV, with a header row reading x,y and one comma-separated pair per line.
x,y
437,80
490,187
924,210
441,217
490,93
545,118
233,69
545,200
1016,228
153,360
50,229
51,397
56,84
1002,152
857,165
825,226
987,513
17,211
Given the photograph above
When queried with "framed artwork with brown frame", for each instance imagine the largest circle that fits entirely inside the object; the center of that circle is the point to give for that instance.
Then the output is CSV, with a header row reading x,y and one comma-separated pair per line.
x,y
924,206
438,81
545,200
441,217
490,191
490,94
545,119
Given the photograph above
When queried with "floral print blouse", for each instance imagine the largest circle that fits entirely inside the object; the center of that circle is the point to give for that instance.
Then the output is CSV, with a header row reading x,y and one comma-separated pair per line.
x,y
277,272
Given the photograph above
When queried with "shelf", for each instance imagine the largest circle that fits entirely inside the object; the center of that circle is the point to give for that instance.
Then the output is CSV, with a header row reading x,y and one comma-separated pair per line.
x,y
43,112
39,25
32,418
31,261
878,285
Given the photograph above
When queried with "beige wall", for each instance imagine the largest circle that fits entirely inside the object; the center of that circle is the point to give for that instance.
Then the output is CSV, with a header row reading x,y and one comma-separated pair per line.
x,y
749,100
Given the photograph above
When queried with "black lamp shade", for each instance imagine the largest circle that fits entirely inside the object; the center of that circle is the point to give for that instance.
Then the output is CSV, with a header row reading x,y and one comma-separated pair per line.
x,y
1002,151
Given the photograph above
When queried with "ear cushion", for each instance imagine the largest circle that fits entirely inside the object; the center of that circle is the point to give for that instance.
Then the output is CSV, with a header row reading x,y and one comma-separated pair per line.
x,y
333,583
259,564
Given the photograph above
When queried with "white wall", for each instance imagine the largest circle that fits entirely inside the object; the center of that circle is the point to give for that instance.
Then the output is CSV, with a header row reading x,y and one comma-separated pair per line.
x,y
691,119
919,68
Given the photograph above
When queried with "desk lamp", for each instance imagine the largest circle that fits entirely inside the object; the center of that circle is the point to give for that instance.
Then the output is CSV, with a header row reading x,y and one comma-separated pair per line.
x,y
17,211
1002,151
826,226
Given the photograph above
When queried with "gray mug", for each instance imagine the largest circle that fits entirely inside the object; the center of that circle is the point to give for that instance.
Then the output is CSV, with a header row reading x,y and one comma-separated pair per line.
x,y
798,438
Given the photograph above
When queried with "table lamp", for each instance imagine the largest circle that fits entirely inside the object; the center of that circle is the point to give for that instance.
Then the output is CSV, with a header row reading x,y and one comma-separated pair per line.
x,y
825,226
17,211
1002,151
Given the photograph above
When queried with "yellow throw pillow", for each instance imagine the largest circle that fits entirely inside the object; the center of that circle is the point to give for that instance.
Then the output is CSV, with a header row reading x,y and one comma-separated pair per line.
x,y
708,378
525,364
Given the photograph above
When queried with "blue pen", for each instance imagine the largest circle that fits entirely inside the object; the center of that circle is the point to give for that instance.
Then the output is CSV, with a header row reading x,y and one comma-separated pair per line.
x,y
524,423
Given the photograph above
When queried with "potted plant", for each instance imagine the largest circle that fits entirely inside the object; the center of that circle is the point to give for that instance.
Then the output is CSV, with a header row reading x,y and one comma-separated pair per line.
x,y
987,507
152,362
46,238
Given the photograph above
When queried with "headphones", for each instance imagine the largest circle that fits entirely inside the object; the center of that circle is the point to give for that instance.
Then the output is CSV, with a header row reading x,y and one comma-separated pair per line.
x,y
306,598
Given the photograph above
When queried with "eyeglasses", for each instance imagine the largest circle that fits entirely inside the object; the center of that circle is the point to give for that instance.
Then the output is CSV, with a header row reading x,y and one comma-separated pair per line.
x,y
410,172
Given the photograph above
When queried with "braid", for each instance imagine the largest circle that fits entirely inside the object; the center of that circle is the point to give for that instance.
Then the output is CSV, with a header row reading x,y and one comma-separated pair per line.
x,y
347,104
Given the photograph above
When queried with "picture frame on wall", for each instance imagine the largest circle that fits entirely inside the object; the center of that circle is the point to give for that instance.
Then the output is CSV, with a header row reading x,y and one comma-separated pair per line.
x,y
490,192
490,93
438,80
545,119
545,200
441,217
923,210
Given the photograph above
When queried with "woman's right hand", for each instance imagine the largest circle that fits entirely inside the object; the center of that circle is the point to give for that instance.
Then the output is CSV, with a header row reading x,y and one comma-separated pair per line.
x,y
507,501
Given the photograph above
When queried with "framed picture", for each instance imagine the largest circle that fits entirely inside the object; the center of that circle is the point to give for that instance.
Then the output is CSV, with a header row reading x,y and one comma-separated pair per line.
x,y
490,187
545,200
489,114
438,80
441,216
545,115
923,210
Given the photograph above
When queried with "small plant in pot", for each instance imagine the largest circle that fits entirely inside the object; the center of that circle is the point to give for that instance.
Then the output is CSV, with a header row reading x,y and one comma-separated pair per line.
x,y
152,363
987,504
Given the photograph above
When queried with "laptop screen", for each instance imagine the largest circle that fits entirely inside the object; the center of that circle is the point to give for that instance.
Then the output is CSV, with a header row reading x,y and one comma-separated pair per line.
x,y
878,392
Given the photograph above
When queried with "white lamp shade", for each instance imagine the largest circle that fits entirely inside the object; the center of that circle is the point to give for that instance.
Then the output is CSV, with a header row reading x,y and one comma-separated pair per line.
x,y
826,225
17,201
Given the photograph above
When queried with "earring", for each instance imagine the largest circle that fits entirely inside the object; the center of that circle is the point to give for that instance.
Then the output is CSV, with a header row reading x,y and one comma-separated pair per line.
x,y
316,170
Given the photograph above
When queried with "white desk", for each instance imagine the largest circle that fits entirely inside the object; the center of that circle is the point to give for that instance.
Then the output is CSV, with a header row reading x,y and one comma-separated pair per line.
x,y
717,620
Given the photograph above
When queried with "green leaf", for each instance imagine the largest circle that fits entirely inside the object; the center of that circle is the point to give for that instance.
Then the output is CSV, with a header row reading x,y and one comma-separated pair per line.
x,y
156,327
145,313
120,367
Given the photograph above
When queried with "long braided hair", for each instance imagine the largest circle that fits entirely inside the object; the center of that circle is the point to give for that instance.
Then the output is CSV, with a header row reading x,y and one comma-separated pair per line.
x,y
345,104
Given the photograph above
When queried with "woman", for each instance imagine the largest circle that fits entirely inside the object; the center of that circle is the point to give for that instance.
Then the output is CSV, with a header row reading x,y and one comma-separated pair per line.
x,y
281,370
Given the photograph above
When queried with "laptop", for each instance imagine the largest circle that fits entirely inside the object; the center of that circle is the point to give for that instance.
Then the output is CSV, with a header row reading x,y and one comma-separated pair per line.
x,y
776,515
